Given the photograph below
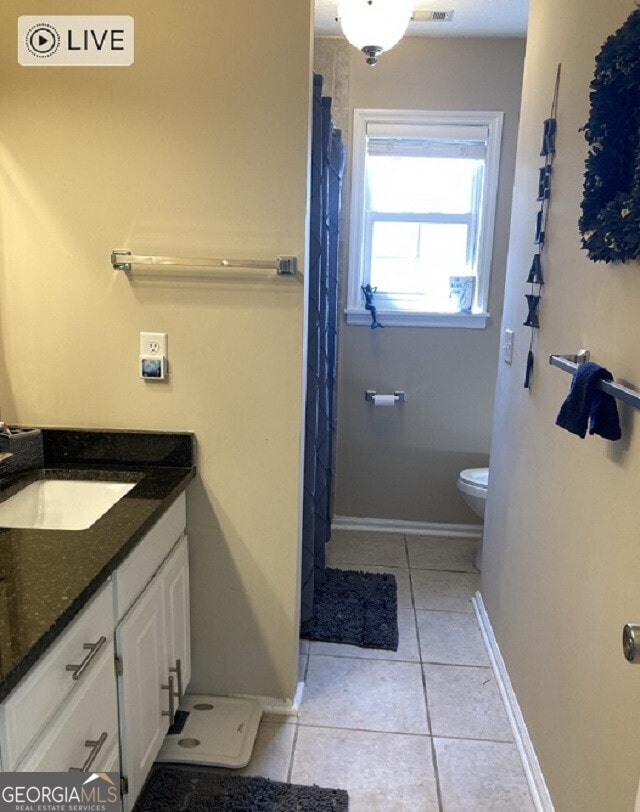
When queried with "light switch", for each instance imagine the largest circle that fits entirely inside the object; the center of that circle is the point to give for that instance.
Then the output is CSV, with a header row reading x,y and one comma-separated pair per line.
x,y
507,346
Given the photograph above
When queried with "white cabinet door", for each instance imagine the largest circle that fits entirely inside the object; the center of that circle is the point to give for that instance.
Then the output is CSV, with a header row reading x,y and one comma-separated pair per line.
x,y
143,702
175,579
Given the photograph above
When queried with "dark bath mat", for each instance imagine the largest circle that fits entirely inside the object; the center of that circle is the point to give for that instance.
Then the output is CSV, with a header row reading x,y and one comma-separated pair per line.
x,y
359,608
205,789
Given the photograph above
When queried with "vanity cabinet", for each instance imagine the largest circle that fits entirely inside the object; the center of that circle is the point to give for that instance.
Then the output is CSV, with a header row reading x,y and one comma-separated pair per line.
x,y
103,696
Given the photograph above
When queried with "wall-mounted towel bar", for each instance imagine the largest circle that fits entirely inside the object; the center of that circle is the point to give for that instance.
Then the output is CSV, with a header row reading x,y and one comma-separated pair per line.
x,y
569,363
284,266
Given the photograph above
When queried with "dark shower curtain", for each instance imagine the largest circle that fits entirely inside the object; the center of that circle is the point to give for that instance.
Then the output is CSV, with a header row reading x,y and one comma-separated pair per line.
x,y
327,163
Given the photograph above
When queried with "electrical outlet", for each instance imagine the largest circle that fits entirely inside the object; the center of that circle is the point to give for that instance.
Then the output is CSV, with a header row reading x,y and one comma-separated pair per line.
x,y
153,344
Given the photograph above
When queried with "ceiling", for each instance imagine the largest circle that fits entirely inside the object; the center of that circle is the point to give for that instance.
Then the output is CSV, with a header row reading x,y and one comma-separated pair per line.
x,y
471,18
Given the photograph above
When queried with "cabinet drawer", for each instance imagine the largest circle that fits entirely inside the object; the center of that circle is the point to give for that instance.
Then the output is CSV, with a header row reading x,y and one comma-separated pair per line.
x,y
89,715
26,711
138,568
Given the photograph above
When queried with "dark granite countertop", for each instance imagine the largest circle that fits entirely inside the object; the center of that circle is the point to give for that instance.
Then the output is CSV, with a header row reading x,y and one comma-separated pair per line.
x,y
47,576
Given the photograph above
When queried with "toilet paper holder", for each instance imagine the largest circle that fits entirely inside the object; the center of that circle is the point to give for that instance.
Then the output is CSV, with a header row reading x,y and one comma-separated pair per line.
x,y
398,396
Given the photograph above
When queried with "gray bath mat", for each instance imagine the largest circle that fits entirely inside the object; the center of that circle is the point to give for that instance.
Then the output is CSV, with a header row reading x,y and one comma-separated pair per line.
x,y
358,608
201,789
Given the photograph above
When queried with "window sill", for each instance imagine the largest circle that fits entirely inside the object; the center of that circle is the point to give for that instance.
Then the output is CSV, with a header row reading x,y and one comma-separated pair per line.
x,y
395,318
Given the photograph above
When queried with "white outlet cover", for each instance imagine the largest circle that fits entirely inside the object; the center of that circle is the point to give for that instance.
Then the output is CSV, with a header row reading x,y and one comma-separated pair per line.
x,y
153,344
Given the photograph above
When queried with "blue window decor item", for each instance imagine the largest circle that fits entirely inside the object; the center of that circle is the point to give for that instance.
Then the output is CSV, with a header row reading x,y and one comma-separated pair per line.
x,y
369,293
535,272
610,220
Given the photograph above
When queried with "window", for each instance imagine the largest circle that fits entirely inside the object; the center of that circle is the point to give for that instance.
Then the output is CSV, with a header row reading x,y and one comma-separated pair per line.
x,y
423,201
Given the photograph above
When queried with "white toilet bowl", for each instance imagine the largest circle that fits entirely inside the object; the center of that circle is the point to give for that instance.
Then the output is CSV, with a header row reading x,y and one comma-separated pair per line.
x,y
473,484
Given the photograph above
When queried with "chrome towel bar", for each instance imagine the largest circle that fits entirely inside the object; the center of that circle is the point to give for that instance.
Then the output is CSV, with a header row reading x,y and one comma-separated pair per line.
x,y
123,260
569,363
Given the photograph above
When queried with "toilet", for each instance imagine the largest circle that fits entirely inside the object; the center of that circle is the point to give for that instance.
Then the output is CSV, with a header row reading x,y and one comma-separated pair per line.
x,y
473,484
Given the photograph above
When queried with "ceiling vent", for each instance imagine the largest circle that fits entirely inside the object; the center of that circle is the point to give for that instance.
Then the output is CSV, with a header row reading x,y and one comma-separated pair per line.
x,y
424,16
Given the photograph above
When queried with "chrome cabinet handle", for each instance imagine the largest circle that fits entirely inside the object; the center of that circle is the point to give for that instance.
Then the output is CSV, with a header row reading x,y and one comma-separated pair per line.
x,y
172,705
177,670
96,747
94,649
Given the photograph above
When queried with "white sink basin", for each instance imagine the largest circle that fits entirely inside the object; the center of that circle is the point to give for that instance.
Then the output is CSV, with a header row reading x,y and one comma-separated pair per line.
x,y
61,504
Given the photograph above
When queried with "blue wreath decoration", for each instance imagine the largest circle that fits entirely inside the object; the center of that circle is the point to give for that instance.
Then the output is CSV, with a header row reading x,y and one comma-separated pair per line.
x,y
610,220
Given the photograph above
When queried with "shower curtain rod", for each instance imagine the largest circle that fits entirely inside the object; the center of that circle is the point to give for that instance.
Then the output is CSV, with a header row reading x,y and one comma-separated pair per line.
x,y
284,266
569,363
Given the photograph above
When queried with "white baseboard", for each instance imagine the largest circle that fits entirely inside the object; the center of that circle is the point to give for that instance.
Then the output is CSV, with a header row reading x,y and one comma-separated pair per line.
x,y
280,707
400,526
535,778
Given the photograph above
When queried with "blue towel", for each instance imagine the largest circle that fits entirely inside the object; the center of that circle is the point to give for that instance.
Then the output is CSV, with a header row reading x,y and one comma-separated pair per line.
x,y
586,404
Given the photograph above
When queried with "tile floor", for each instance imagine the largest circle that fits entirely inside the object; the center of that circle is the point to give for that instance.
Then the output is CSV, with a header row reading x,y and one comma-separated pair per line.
x,y
415,730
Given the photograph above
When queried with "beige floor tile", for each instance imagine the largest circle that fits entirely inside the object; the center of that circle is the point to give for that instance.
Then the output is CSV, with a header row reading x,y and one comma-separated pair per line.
x,y
382,772
448,591
450,637
407,644
363,724
433,553
478,776
465,702
350,692
272,750
366,549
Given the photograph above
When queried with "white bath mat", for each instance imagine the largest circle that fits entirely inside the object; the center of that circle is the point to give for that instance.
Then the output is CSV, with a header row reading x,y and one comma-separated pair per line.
x,y
220,731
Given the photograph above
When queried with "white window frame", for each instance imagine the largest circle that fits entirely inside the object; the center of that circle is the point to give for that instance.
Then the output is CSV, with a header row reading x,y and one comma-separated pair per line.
x,y
355,311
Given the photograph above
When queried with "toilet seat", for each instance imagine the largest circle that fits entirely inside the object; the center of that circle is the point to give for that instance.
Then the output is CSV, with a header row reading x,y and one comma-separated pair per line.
x,y
475,478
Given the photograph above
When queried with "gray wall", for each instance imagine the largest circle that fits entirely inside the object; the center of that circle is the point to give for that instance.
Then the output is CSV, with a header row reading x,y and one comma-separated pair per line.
x,y
403,463
562,543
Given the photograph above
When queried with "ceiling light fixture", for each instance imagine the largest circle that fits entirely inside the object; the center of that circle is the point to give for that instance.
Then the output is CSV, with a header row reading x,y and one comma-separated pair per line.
x,y
374,26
